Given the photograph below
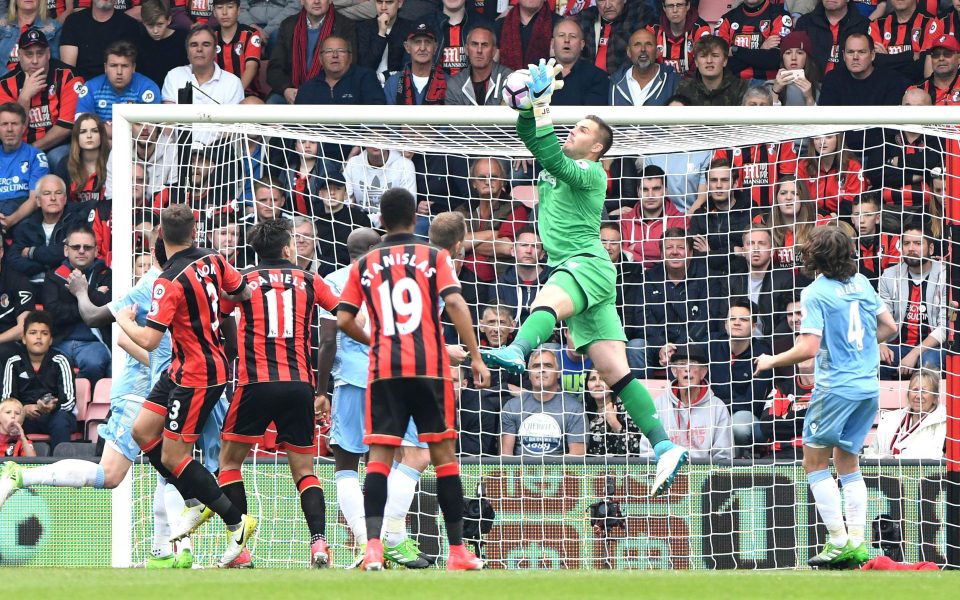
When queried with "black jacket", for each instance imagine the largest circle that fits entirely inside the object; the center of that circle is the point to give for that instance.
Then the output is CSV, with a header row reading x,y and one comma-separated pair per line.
x,y
724,230
586,85
45,255
58,301
732,380
55,377
370,45
16,297
680,313
883,87
778,289
519,296
358,85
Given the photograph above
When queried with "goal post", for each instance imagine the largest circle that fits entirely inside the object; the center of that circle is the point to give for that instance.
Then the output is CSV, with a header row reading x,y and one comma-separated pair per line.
x,y
738,508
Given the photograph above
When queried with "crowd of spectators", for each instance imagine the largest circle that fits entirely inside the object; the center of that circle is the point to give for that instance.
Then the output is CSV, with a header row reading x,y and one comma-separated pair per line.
x,y
706,244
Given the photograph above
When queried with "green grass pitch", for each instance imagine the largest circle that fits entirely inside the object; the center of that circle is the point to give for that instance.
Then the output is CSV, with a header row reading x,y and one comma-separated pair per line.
x,y
109,584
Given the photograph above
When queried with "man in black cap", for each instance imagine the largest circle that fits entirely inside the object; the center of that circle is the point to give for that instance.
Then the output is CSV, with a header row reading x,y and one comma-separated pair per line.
x,y
423,81
48,90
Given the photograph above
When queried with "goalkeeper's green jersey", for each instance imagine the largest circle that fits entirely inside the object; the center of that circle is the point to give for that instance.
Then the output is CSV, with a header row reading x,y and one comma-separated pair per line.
x,y
572,193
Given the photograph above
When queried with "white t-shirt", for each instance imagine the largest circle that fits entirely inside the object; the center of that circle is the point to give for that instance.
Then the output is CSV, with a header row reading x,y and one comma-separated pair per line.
x,y
366,183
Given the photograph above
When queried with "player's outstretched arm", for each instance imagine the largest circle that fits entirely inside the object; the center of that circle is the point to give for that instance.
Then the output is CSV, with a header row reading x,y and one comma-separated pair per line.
x,y
459,313
806,348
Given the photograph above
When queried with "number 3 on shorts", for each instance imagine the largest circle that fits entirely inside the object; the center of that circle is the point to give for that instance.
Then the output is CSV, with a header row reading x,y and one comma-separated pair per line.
x,y
174,410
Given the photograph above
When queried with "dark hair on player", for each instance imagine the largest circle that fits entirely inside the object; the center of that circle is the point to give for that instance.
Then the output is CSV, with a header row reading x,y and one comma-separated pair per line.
x,y
829,251
606,133
270,237
79,228
121,48
178,223
398,209
38,316
447,229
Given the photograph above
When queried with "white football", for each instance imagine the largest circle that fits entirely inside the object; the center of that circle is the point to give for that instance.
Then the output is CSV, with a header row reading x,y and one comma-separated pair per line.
x,y
515,94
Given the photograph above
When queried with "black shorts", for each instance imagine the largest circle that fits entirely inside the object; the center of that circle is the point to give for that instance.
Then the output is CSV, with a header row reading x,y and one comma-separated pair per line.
x,y
289,404
185,409
391,403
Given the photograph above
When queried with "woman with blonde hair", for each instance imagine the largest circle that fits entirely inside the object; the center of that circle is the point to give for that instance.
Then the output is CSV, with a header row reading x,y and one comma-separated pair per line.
x,y
917,430
27,14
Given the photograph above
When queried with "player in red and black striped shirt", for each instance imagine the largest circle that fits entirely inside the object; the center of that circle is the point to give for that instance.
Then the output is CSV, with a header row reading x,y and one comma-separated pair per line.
x,y
239,46
275,381
186,300
401,282
906,29
51,86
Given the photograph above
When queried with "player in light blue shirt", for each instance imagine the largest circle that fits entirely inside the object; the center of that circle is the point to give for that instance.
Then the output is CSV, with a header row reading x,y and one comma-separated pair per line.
x,y
119,84
843,321
350,371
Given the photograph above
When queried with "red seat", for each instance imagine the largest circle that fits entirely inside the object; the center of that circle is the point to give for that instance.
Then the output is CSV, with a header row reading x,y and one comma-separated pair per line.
x,y
83,398
96,414
101,394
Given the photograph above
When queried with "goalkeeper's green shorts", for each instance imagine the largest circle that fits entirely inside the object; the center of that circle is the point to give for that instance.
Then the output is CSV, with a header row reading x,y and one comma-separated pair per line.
x,y
591,283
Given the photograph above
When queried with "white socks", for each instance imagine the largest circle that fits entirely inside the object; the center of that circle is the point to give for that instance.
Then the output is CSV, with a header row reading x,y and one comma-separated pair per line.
x,y
855,505
826,494
401,487
161,524
65,473
350,499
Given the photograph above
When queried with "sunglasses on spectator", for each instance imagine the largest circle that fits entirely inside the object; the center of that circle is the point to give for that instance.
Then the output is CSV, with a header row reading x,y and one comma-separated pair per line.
x,y
79,247
941,52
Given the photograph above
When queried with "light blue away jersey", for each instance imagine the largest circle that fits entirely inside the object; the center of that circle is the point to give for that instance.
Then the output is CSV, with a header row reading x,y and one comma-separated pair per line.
x,y
136,378
844,315
352,363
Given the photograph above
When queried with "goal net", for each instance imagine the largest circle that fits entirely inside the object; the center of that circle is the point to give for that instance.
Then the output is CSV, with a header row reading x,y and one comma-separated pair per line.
x,y
705,218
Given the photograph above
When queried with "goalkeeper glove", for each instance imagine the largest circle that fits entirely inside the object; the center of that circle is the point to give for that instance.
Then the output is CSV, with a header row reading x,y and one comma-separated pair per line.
x,y
540,85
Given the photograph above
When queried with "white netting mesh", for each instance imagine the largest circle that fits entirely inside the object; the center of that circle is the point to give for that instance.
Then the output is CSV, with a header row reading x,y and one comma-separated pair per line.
x,y
745,502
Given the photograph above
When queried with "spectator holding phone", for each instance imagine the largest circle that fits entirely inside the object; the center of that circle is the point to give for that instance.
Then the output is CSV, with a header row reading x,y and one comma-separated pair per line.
x,y
42,379
798,81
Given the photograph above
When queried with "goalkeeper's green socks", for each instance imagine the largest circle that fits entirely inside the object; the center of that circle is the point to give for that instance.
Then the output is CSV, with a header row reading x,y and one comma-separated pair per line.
x,y
536,329
639,405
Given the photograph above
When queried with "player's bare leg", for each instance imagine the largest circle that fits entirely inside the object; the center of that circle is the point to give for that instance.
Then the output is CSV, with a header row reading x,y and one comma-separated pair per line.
x,y
313,505
374,502
450,497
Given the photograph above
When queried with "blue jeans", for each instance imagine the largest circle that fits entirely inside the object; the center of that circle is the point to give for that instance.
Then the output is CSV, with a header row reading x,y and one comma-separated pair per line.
x,y
91,358
59,425
931,358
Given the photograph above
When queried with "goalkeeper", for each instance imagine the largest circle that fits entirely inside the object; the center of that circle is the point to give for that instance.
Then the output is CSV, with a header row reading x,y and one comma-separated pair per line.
x,y
582,287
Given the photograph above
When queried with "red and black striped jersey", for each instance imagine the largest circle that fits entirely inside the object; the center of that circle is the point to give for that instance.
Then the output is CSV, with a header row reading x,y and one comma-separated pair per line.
x,y
677,51
912,36
56,104
199,11
832,186
10,446
877,252
245,46
758,168
748,28
274,331
951,24
100,218
948,96
454,53
92,189
55,8
186,300
402,281
119,5
916,324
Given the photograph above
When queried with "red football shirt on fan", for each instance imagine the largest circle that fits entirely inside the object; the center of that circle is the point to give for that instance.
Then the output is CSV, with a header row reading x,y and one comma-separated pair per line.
x,y
186,299
402,282
273,335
